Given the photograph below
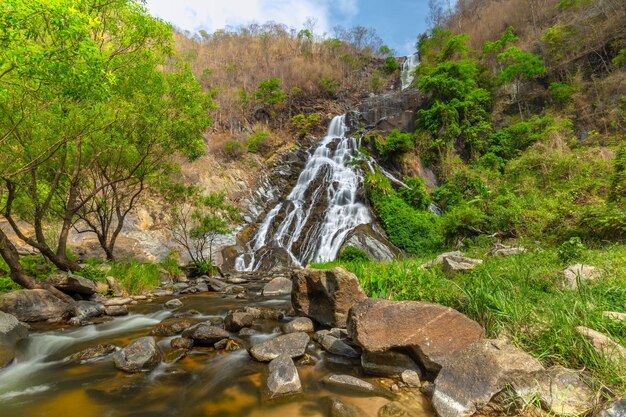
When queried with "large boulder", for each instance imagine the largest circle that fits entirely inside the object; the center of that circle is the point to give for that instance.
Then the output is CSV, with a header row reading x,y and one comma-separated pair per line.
x,y
34,305
388,364
72,284
369,240
430,331
11,330
325,296
471,377
139,355
238,320
277,286
292,345
205,334
85,310
283,378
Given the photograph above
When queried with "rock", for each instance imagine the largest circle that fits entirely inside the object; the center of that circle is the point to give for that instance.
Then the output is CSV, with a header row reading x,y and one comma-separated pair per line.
x,y
410,403
11,330
173,304
411,378
293,345
172,326
160,292
7,356
431,331
114,311
562,392
180,286
283,378
176,355
603,344
34,305
338,347
439,259
503,250
339,408
389,364
118,301
115,288
84,310
139,355
72,284
229,345
325,296
94,352
472,376
234,289
265,313
352,383
216,284
238,320
247,332
614,409
574,274
614,315
181,343
368,239
205,334
300,324
454,264
277,286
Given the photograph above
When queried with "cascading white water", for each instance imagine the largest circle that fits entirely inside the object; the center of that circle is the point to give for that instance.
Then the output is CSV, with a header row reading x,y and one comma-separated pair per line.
x,y
407,76
327,182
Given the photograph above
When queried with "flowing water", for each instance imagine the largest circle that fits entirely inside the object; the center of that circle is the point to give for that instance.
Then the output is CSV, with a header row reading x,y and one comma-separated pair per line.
x,y
205,383
323,207
409,66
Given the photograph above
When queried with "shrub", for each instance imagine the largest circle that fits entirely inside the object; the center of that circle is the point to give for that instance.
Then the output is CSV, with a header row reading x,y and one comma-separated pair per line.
x,y
303,124
562,92
233,149
570,250
391,65
269,92
256,142
352,254
329,86
416,195
394,145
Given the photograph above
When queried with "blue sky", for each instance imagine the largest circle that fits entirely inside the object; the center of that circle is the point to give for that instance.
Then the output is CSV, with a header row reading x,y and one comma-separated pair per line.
x,y
398,22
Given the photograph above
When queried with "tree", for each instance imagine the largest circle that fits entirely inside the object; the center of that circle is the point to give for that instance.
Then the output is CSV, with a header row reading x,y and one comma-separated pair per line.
x,y
518,66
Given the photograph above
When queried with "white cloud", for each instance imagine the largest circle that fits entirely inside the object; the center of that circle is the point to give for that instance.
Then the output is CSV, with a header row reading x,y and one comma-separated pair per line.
x,y
212,15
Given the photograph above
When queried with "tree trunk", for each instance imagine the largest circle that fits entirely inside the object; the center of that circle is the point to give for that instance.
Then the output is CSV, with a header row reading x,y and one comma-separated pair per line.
x,y
19,276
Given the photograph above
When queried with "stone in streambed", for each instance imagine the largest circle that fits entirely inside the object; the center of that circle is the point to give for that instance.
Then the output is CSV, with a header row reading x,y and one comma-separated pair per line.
x,y
181,343
338,347
11,330
277,286
283,377
94,352
34,305
84,310
300,324
205,334
388,364
115,311
173,304
351,383
339,408
139,355
293,345
238,320
265,313
172,326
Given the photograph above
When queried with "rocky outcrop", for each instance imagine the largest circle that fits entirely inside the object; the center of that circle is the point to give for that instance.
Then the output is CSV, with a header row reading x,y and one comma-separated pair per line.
x,y
431,331
283,378
325,296
277,286
369,240
72,284
11,330
205,334
454,264
574,274
139,355
394,110
292,345
34,305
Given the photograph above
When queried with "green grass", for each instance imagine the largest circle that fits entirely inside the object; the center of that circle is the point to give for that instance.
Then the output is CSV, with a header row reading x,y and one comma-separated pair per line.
x,y
519,297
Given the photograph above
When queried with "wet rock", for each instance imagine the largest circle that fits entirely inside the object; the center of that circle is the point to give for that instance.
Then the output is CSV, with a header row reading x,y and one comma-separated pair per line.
x,y
7,356
411,378
431,331
175,355
614,315
139,355
352,383
471,377
339,408
84,310
338,347
563,393
277,286
369,240
614,409
307,359
238,320
503,250
283,376
234,289
409,403
160,292
91,353
34,305
454,264
180,286
115,311
173,304
325,296
11,330
72,284
603,344
439,259
181,343
228,345
202,287
237,280
300,324
389,363
574,274
115,288
216,284
265,313
117,301
247,332
293,345
172,326
205,334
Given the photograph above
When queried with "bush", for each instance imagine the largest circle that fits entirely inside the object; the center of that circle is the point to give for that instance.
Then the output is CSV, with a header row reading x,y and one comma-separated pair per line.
x,y
233,149
562,92
570,250
256,142
395,145
136,277
329,86
303,124
391,65
352,254
416,195
269,92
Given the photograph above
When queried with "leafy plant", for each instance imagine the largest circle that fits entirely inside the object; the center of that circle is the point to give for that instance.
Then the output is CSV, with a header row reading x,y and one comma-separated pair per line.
x,y
269,92
256,142
570,250
351,254
233,148
303,124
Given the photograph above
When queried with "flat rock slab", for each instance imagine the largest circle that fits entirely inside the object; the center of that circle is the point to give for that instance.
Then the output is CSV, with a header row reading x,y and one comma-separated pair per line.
x,y
471,377
292,345
34,305
138,356
277,286
431,331
283,378
454,264
574,274
205,334
325,296
388,364
351,383
439,259
117,301
300,324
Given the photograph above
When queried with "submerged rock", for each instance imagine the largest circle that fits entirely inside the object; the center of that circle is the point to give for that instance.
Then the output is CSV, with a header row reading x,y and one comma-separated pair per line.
x,y
283,378
181,343
93,352
293,345
277,286
205,334
339,408
139,355
352,383
34,305
325,296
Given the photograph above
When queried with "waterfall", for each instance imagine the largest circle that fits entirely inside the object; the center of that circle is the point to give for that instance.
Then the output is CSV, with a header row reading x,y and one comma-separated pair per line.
x,y
319,212
406,76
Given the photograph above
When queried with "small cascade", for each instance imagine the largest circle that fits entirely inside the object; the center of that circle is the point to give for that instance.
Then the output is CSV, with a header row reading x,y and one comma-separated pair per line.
x,y
317,215
409,66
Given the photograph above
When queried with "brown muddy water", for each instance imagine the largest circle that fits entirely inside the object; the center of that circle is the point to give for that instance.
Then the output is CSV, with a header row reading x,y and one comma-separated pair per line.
x,y
206,382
